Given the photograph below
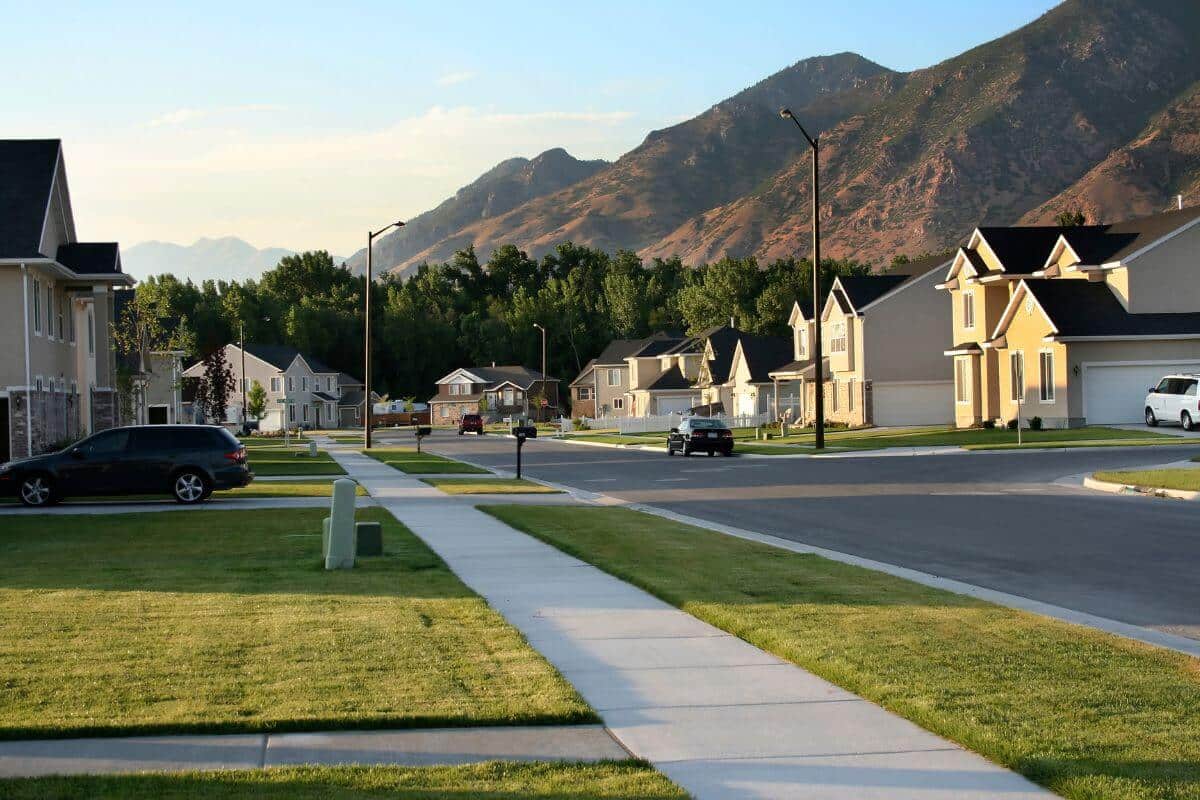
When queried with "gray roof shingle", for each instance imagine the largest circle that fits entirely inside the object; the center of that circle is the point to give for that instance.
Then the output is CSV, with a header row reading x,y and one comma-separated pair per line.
x,y
26,174
1081,308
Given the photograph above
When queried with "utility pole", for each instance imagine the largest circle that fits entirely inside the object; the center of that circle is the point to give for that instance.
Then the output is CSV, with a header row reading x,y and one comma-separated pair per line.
x,y
545,398
367,333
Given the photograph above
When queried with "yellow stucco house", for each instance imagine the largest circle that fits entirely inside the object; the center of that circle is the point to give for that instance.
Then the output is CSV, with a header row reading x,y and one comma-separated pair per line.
x,y
1073,324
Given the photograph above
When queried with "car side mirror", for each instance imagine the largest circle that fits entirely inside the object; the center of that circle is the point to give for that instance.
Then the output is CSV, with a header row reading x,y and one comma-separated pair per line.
x,y
77,453
1153,390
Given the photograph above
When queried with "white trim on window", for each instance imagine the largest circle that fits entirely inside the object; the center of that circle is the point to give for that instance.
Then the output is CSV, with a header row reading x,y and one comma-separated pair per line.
x,y
619,403
962,380
968,310
1016,376
837,337
91,331
276,384
1046,376
37,307
614,378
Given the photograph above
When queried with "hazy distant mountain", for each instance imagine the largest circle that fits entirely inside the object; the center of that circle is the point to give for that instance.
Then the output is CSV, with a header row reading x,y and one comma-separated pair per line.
x,y
496,191
1094,104
228,258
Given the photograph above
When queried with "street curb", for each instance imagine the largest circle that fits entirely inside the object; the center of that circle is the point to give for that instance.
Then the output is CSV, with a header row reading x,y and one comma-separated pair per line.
x,y
1145,491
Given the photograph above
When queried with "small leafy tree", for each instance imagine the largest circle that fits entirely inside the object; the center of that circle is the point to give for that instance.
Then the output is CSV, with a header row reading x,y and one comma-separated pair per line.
x,y
256,401
484,405
1070,219
216,386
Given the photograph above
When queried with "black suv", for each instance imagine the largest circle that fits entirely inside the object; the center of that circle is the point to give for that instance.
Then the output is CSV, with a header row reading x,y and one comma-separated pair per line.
x,y
186,461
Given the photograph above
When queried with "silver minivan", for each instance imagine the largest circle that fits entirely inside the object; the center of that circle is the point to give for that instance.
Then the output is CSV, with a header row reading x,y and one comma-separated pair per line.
x,y
1174,400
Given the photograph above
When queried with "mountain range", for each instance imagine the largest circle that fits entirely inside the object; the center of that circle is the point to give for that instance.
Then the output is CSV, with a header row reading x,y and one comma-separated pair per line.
x,y
225,259
1093,106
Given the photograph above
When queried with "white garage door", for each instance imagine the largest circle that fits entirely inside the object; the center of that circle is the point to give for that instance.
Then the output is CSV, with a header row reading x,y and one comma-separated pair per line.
x,y
1117,394
675,405
913,403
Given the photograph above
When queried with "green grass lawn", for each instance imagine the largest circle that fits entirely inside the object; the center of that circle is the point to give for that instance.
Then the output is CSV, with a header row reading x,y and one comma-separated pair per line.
x,y
970,438
489,486
407,459
1086,714
275,459
222,621
614,780
1185,479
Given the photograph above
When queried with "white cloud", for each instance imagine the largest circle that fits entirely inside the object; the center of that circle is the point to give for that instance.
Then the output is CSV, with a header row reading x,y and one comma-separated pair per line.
x,y
453,78
182,116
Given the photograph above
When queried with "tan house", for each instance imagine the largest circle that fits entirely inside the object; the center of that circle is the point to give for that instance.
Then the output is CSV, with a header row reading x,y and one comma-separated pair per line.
x,y
57,374
715,380
883,336
1073,325
662,377
495,392
600,389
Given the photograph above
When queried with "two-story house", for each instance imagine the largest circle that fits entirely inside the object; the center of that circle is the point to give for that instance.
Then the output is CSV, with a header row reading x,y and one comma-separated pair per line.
x,y
599,390
57,376
662,376
1073,324
301,391
883,335
751,386
713,380
155,393
495,392
794,380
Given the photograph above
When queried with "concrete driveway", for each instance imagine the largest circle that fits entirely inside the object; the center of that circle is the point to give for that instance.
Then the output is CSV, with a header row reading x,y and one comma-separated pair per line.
x,y
992,519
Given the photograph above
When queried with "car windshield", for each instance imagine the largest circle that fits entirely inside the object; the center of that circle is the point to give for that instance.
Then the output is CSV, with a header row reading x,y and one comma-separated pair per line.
x,y
706,424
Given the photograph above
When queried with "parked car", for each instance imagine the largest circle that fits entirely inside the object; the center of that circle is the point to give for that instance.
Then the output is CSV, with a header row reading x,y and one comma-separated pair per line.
x,y
700,434
471,423
187,462
1174,400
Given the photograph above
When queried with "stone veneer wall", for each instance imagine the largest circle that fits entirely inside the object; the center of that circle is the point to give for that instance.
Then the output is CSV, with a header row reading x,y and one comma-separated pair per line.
x,y
54,416
105,412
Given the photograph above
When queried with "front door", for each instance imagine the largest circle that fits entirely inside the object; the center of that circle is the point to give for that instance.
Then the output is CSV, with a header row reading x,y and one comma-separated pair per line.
x,y
157,415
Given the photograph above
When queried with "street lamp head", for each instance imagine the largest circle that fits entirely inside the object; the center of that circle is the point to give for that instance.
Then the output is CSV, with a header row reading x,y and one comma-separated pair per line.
x,y
398,224
539,327
786,113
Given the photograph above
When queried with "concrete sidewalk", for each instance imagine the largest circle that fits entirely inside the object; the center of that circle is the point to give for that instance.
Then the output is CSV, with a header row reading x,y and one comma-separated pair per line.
x,y
441,746
718,716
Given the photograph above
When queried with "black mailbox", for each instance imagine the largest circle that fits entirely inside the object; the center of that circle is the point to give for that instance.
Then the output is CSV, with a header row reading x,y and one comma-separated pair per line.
x,y
423,431
525,431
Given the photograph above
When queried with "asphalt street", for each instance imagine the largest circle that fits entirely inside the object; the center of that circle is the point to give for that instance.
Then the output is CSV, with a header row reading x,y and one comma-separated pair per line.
x,y
994,519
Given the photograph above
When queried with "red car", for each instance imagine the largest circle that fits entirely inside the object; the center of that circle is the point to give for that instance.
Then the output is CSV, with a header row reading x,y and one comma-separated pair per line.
x,y
470,423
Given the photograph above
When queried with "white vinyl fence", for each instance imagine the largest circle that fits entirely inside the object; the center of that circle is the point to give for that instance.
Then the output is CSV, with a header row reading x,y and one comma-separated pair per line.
x,y
662,422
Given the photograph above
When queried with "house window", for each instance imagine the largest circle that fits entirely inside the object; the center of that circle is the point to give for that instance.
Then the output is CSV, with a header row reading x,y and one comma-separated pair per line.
x,y
837,391
614,377
1016,374
37,307
618,403
74,387
91,331
1046,364
445,411
962,377
37,383
802,343
71,325
304,384
850,395
291,413
586,393
329,383
275,384
837,337
50,310
62,331
305,413
508,397
968,309
291,384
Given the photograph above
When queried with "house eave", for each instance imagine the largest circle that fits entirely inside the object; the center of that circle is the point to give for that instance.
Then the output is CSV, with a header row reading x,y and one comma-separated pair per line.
x,y
1173,337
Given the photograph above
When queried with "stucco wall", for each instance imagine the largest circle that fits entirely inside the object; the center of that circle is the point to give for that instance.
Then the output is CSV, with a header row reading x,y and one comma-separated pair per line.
x,y
1165,278
905,335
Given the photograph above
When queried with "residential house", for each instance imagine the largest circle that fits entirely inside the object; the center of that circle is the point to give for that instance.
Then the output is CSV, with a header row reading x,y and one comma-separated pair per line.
x,y
57,374
496,392
794,380
601,389
583,391
752,389
883,335
1073,324
301,391
662,376
714,379
155,391
351,392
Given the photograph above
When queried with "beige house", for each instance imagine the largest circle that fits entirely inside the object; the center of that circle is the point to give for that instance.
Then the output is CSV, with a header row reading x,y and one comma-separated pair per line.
x,y
884,335
56,299
1073,325
662,377
751,387
495,392
301,391
599,390
715,379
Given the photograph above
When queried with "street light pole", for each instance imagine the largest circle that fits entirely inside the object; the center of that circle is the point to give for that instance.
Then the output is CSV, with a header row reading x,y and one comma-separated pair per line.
x,y
818,371
242,347
367,333
544,397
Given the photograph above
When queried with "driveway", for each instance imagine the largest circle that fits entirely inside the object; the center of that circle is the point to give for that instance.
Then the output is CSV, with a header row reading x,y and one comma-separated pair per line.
x,y
992,519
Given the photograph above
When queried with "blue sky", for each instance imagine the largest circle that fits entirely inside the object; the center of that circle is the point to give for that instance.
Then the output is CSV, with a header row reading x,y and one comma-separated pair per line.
x,y
299,125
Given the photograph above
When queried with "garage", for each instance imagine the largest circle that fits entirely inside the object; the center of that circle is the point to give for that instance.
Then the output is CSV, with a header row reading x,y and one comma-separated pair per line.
x,y
1114,394
913,403
676,405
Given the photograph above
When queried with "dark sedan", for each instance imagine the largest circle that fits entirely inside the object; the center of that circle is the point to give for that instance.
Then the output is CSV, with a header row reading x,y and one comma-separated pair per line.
x,y
700,435
187,462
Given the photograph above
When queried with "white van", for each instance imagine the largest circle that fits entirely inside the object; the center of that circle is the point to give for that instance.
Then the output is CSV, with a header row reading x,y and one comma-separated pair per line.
x,y
1174,400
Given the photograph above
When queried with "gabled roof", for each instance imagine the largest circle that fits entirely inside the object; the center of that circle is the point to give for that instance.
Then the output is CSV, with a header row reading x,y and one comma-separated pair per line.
x,y
1107,244
671,380
764,354
1021,248
323,396
346,379
618,350
862,290
723,340
523,377
90,258
1090,309
588,369
27,169
281,356
659,346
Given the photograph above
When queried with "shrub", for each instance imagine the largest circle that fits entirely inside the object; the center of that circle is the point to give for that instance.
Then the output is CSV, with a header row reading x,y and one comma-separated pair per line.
x,y
578,424
1035,423
988,424
1011,424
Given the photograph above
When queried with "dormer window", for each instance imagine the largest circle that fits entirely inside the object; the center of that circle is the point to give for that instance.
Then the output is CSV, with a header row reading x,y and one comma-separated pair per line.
x,y
802,342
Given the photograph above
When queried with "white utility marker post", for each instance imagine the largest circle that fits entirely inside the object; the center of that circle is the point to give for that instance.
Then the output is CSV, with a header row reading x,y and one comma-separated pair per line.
x,y
338,535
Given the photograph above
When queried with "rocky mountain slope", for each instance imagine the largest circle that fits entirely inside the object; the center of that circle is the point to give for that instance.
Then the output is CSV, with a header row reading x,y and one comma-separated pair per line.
x,y
1094,104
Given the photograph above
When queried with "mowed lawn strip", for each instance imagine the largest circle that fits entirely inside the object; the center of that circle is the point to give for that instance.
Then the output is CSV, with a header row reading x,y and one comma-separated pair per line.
x,y
275,459
613,780
489,486
1084,713
975,438
1184,479
224,621
408,460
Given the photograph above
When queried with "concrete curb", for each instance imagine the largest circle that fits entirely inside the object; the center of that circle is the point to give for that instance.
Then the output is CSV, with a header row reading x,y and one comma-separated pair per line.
x,y
1145,491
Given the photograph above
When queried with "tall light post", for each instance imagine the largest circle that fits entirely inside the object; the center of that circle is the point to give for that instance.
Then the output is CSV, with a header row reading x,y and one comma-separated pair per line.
x,y
544,397
818,372
242,349
367,333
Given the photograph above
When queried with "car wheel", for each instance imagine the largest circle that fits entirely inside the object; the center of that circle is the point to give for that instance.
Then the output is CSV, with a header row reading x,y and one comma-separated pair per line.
x,y
37,491
712,453
1151,420
727,453
460,433
687,451
189,486
1186,421
670,450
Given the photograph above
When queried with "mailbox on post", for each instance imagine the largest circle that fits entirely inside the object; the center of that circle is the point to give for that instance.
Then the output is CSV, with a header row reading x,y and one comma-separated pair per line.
x,y
421,431
522,432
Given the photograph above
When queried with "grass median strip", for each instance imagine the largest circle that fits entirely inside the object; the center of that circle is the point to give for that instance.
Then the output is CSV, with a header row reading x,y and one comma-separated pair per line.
x,y
1184,479
1084,713
489,486
224,621
614,780
408,460
275,459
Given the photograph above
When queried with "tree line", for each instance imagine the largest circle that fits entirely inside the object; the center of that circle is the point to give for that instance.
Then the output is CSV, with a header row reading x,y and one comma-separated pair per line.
x,y
465,312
